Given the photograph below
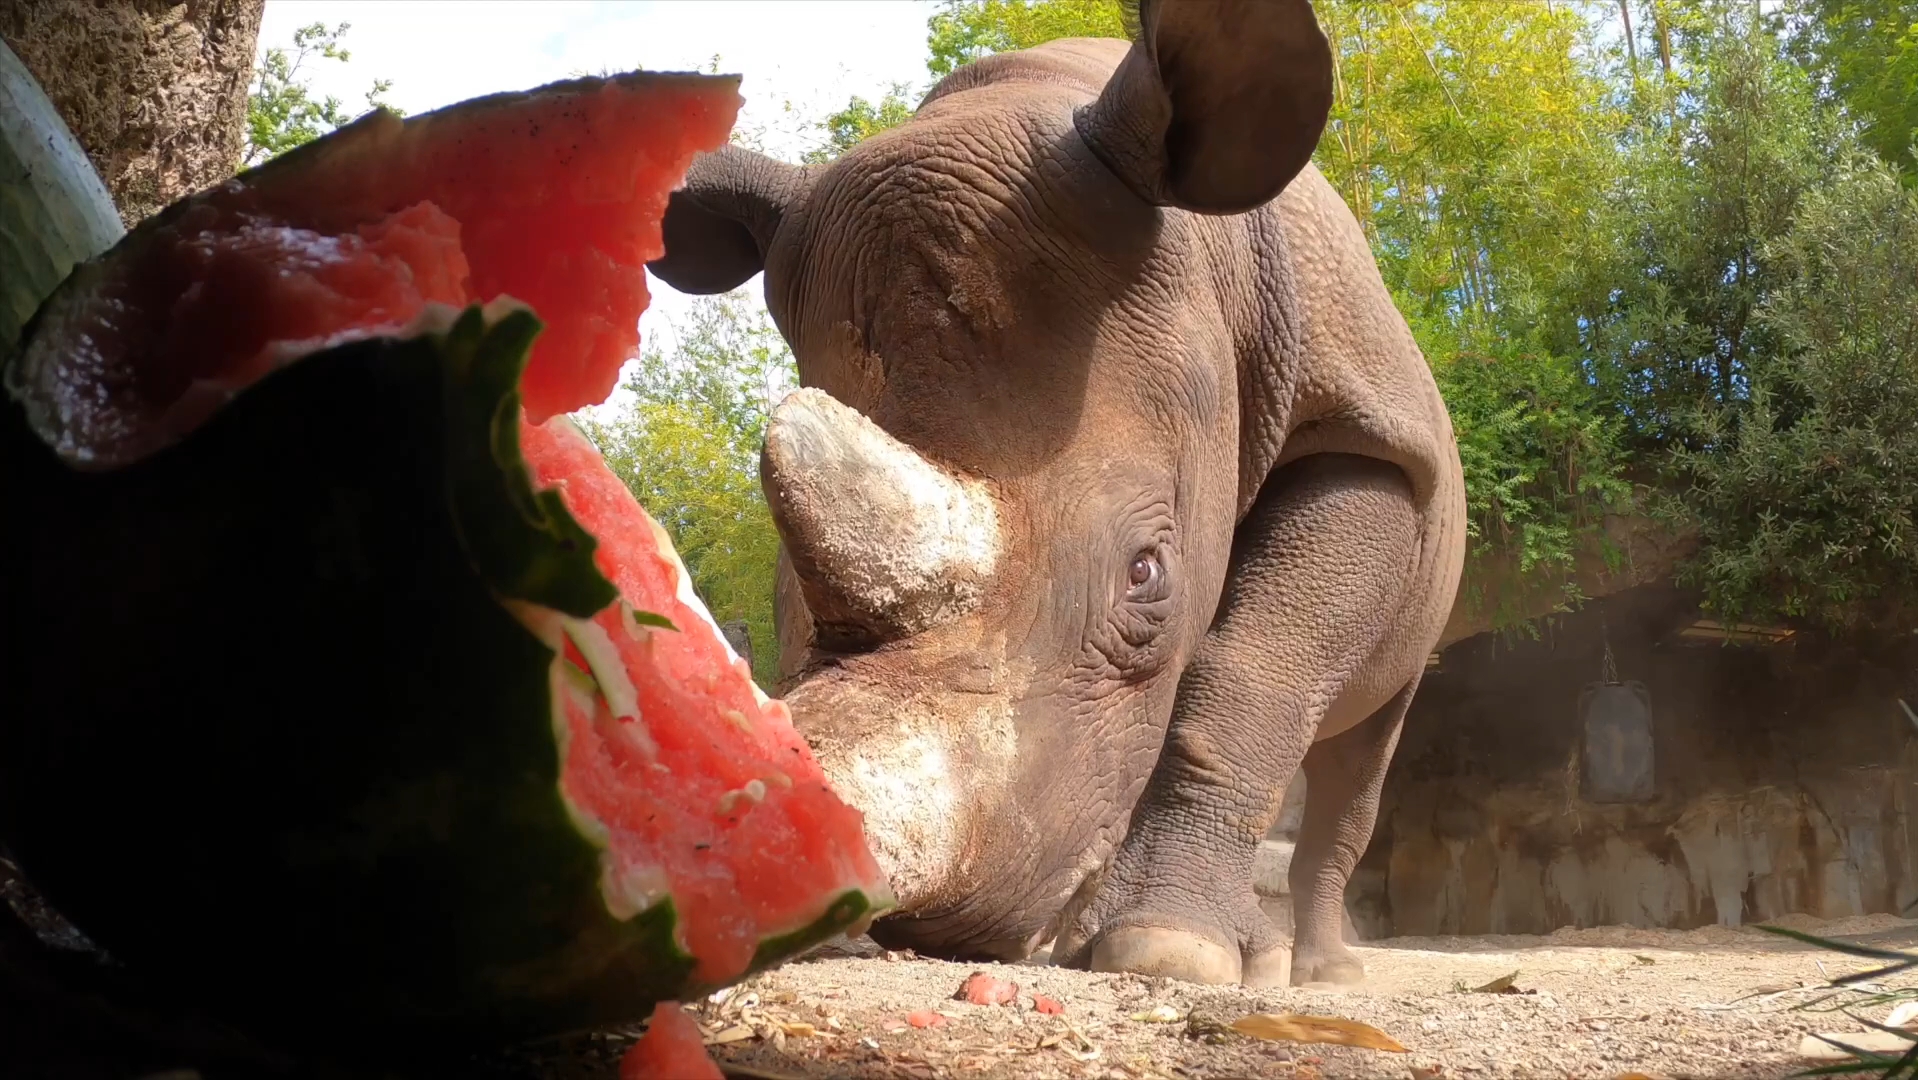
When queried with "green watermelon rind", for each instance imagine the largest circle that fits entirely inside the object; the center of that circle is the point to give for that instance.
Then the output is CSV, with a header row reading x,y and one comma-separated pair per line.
x,y
846,910
423,872
522,541
54,211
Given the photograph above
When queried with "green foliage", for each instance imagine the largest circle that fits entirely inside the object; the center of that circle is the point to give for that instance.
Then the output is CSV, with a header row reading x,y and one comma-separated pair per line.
x,y
1543,466
1866,54
1755,334
688,447
1476,144
1706,186
1807,496
860,120
969,29
1671,254
281,112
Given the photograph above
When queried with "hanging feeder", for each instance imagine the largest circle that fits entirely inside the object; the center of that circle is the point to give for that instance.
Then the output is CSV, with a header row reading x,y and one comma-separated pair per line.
x,y
1616,718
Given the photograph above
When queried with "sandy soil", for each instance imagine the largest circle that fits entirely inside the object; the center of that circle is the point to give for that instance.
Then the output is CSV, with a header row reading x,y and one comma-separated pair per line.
x,y
1590,1003
1602,1004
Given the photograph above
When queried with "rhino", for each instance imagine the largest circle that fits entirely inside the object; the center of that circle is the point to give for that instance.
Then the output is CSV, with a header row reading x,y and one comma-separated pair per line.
x,y
1114,493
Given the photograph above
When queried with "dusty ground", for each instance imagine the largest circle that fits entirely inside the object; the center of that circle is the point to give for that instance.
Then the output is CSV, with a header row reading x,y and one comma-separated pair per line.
x,y
1602,1004
1593,1003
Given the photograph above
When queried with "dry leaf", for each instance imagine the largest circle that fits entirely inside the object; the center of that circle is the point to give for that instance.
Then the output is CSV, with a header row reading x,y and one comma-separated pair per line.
x,y
1158,1014
1638,1076
736,1033
1427,1072
1091,1052
798,1029
1902,1014
1500,985
1288,1027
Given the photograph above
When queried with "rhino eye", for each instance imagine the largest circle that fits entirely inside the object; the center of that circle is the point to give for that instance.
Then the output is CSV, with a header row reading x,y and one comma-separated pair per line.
x,y
1145,575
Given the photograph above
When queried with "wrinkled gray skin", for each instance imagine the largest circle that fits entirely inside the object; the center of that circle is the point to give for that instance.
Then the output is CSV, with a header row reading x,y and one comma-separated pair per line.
x,y
1120,490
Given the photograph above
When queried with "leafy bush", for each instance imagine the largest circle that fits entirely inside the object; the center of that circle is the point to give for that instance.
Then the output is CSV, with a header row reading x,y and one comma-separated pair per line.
x,y
1543,467
1668,255
687,444
1806,497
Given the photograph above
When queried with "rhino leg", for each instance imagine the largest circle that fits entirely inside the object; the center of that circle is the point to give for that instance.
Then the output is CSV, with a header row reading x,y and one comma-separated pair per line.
x,y
1343,778
1320,571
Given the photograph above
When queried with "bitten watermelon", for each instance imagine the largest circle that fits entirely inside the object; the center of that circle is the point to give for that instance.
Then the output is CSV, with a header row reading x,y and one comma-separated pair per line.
x,y
553,197
345,692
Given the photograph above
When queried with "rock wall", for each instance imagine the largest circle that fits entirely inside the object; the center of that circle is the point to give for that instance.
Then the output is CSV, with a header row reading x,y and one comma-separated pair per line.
x,y
1784,783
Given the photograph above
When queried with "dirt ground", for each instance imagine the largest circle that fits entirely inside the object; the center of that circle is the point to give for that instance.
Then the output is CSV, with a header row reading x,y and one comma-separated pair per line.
x,y
1605,1004
1599,1003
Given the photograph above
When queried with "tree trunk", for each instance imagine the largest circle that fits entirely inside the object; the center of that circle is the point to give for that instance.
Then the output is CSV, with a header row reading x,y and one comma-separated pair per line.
x,y
155,92
1631,46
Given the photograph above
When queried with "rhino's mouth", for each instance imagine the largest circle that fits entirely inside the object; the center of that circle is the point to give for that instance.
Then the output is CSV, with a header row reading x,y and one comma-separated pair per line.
x,y
930,770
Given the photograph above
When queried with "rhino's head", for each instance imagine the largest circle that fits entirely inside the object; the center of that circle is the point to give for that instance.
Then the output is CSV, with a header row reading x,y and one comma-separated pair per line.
x,y
1007,493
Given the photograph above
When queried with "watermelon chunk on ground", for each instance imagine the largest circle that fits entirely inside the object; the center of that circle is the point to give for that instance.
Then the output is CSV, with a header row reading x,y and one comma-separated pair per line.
x,y
671,1049
462,754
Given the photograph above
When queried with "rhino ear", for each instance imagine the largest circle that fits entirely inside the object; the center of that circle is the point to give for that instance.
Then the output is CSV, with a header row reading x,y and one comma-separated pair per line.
x,y
1217,106
720,224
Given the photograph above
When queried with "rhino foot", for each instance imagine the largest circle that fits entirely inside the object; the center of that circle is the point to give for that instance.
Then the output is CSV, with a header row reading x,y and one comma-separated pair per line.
x,y
1335,966
1189,937
1189,957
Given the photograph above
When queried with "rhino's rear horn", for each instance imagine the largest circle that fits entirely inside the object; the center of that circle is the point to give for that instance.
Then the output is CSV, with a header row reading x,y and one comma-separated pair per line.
x,y
885,543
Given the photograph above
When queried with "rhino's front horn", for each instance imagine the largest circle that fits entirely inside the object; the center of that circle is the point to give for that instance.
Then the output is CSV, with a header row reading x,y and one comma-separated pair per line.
x,y
885,543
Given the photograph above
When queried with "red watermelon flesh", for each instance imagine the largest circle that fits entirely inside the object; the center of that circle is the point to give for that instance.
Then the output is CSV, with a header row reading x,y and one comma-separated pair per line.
x,y
671,1049
700,783
553,197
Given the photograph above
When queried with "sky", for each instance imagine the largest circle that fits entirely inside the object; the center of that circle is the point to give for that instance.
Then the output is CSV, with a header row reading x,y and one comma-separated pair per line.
x,y
798,61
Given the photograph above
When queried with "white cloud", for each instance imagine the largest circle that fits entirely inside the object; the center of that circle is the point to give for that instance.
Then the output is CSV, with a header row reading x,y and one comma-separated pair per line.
x,y
798,61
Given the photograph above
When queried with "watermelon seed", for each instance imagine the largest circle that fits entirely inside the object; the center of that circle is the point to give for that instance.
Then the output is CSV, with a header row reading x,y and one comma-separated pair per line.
x,y
753,792
701,847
